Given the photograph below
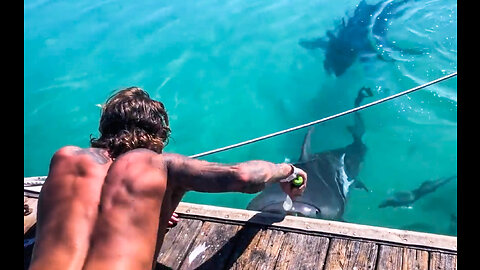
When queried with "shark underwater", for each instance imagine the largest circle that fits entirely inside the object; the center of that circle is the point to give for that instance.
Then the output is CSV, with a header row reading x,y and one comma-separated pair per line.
x,y
407,198
330,175
361,37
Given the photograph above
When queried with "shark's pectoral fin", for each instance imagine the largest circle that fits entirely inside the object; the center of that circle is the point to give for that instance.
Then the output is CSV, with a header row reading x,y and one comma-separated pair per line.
x,y
360,185
312,44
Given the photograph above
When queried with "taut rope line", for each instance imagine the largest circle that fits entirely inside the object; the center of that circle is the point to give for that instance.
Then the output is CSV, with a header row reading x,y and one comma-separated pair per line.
x,y
326,118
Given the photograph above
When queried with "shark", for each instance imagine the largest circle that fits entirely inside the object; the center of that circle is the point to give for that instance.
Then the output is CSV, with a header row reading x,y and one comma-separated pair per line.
x,y
363,36
331,174
408,197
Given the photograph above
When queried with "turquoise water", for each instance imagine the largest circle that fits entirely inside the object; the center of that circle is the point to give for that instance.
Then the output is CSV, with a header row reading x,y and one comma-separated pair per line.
x,y
228,71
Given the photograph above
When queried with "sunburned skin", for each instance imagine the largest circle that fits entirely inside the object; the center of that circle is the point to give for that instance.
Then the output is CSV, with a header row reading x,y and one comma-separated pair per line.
x,y
96,213
68,208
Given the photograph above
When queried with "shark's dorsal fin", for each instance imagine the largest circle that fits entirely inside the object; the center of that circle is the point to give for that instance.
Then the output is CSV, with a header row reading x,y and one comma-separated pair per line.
x,y
306,146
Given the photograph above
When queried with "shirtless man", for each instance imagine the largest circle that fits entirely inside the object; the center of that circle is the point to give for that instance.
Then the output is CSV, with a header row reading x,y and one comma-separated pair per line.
x,y
108,207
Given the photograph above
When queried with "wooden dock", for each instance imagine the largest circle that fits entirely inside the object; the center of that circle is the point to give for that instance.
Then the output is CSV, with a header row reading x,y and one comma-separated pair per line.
x,y
209,237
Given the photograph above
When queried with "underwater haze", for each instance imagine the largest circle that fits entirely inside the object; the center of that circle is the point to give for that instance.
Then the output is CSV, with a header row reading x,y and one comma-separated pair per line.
x,y
229,71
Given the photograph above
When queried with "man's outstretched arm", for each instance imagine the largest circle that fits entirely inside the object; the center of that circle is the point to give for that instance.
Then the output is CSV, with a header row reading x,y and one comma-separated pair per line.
x,y
247,177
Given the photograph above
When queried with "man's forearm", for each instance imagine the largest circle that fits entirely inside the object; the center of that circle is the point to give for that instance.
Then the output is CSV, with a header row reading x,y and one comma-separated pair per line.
x,y
203,176
257,173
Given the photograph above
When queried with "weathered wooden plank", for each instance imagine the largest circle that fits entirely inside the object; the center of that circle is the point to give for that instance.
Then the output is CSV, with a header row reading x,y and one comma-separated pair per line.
x,y
349,254
314,225
244,238
261,251
261,242
414,259
212,246
442,261
177,243
391,257
302,252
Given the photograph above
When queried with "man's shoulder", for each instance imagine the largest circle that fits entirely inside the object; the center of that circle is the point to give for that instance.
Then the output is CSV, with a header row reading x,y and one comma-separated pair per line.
x,y
173,156
68,150
78,154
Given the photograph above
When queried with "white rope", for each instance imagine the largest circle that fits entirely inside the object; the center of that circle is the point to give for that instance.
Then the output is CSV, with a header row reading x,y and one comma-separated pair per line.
x,y
324,119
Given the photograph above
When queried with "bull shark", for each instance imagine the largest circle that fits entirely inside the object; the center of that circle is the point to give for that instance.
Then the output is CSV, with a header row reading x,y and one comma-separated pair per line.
x,y
361,37
330,175
407,198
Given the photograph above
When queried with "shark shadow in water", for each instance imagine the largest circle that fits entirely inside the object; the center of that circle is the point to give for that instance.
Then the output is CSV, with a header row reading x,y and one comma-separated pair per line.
x,y
363,36
407,198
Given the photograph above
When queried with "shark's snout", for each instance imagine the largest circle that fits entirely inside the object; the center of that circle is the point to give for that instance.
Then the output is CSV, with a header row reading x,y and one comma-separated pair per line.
x,y
298,209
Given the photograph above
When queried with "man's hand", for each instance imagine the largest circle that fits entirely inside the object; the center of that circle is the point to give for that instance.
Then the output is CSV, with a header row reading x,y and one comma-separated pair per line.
x,y
290,189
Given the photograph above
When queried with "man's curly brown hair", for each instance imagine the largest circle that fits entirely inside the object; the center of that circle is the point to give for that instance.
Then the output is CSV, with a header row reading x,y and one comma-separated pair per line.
x,y
131,119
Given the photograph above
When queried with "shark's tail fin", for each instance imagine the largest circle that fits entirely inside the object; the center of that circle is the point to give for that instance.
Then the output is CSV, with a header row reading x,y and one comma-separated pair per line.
x,y
358,129
431,185
363,93
447,179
